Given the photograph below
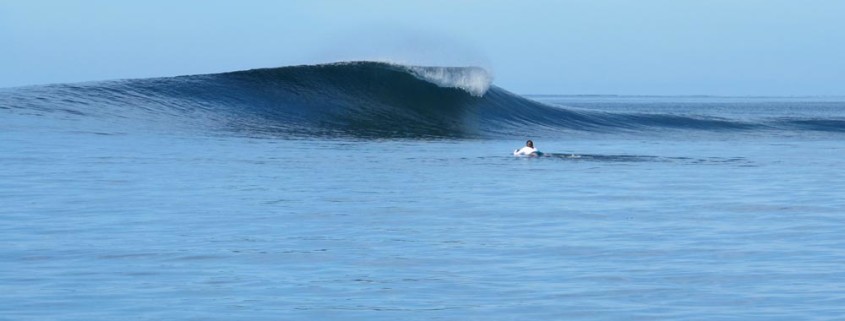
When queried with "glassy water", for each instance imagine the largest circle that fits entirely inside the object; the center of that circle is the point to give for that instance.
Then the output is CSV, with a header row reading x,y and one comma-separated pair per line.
x,y
115,223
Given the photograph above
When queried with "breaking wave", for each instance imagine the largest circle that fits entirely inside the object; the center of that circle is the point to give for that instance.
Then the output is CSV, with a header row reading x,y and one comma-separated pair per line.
x,y
358,99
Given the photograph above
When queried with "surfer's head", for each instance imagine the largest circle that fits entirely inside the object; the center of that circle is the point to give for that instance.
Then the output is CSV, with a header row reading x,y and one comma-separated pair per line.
x,y
529,143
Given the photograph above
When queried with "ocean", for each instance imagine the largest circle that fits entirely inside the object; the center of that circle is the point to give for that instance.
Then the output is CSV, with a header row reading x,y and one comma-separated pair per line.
x,y
372,191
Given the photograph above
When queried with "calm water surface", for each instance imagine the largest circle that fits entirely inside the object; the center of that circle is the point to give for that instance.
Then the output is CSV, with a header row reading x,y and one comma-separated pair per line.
x,y
116,224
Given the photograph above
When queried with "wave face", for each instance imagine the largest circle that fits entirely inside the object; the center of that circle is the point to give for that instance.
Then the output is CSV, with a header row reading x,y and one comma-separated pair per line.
x,y
357,99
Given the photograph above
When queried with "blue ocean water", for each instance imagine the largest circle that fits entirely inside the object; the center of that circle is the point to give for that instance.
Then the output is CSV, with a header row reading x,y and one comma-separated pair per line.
x,y
376,192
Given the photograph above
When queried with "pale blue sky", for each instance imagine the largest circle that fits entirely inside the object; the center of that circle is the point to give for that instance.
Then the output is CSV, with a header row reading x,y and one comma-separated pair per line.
x,y
645,47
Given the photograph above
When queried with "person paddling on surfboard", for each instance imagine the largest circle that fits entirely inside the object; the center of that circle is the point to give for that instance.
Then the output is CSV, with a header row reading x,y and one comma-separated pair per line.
x,y
528,150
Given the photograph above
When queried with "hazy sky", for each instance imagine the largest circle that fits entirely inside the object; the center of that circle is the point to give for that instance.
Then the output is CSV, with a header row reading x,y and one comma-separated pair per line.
x,y
644,47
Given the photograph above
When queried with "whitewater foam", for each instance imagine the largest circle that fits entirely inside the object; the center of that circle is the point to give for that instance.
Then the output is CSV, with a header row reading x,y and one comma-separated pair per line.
x,y
474,80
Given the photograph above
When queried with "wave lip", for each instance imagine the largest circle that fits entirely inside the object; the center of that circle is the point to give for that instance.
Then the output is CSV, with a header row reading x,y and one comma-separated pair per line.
x,y
474,80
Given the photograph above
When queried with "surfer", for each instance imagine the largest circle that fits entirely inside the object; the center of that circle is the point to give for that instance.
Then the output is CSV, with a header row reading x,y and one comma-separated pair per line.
x,y
528,150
